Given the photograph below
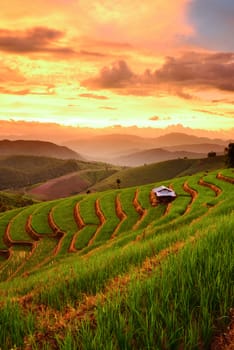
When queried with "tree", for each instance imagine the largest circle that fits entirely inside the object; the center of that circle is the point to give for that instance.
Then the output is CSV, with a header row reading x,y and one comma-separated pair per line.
x,y
211,154
118,181
230,155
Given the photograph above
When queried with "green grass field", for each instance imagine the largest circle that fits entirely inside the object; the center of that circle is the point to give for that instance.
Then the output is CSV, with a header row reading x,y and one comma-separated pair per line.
x,y
103,274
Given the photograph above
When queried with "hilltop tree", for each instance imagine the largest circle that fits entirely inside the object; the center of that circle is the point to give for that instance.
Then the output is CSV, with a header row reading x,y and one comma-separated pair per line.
x,y
230,155
211,154
118,182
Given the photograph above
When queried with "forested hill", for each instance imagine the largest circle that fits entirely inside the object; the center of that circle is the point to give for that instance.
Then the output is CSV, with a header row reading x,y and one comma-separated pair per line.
x,y
19,171
38,148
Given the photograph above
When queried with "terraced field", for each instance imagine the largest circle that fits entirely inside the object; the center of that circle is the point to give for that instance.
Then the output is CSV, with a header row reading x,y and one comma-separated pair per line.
x,y
117,270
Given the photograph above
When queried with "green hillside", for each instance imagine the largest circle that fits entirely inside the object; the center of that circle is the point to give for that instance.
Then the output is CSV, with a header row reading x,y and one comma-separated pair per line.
x,y
19,171
37,147
117,270
150,173
11,200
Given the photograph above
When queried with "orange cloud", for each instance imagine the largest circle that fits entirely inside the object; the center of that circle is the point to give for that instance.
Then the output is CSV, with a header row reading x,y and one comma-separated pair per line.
x,y
154,118
8,74
38,39
97,97
108,108
116,76
191,70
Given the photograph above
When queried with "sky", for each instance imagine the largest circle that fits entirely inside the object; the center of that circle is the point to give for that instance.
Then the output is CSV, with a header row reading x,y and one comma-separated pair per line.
x,y
102,63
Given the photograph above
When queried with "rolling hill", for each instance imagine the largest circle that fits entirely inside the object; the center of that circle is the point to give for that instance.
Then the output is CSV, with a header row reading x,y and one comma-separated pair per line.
x,y
37,148
155,155
72,183
114,147
98,176
159,172
113,270
23,171
198,148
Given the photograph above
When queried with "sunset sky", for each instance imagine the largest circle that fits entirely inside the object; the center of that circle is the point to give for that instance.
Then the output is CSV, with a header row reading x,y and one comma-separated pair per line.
x,y
100,63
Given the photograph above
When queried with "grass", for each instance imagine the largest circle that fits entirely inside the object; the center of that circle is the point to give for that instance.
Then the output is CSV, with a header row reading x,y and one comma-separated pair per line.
x,y
167,284
177,306
107,205
152,173
64,218
4,220
14,326
40,221
17,259
126,199
18,223
87,209
84,236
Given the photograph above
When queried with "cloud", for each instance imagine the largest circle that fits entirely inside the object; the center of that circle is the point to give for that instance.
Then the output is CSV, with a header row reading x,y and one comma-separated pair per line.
x,y
9,75
97,97
209,112
189,71
14,92
198,69
38,90
154,118
108,108
91,53
38,39
118,75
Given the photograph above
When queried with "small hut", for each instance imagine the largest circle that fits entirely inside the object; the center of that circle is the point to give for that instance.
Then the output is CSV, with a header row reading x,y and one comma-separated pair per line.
x,y
164,194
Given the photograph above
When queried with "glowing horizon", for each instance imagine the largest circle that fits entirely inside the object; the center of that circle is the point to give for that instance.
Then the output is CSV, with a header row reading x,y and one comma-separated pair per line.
x,y
103,63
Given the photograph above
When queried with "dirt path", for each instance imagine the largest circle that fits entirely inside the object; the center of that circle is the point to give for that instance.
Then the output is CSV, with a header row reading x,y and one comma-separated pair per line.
x,y
193,193
10,242
58,234
213,187
102,220
141,211
153,199
30,230
80,224
225,178
79,220
120,214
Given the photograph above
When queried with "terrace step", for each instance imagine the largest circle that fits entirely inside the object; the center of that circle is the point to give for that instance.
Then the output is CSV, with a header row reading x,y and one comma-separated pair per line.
x,y
30,230
120,214
225,178
58,233
77,216
193,193
10,242
139,209
102,220
213,187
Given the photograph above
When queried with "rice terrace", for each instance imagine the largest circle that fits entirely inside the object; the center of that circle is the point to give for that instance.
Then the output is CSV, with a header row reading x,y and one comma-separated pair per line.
x,y
117,270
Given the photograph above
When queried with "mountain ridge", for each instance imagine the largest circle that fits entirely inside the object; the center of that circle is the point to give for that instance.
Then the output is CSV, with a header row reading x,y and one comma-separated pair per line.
x,y
37,147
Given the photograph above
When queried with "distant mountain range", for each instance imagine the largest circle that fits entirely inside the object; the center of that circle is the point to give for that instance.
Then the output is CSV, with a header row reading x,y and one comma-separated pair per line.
x,y
133,150
118,149
155,155
37,148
